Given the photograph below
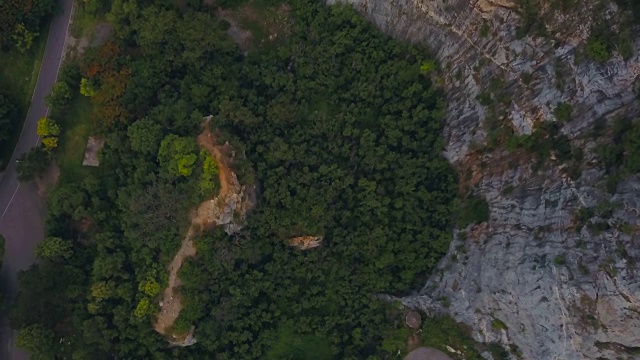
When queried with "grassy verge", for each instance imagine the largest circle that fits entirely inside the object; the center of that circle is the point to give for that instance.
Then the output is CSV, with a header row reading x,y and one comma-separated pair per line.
x,y
18,77
83,23
76,129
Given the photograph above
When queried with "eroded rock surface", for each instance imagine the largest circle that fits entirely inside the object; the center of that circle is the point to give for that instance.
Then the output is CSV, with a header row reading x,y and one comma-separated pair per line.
x,y
531,277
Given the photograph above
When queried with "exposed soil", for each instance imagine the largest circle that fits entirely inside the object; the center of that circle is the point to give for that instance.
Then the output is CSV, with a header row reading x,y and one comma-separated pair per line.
x,y
48,180
207,215
253,26
306,242
240,36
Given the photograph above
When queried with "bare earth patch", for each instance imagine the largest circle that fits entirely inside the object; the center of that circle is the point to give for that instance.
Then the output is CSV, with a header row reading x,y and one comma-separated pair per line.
x,y
220,210
251,26
48,179
94,145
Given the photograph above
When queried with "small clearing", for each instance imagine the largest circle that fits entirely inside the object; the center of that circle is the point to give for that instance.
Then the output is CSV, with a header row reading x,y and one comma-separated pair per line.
x,y
212,212
254,25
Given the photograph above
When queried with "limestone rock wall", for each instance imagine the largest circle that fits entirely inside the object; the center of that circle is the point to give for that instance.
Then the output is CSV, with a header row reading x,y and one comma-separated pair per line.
x,y
531,277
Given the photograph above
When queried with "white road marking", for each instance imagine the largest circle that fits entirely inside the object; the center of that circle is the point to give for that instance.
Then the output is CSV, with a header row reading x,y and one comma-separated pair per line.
x,y
9,204
64,48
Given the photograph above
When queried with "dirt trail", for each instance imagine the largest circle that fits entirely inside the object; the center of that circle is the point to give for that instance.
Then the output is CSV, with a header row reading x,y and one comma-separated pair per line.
x,y
210,213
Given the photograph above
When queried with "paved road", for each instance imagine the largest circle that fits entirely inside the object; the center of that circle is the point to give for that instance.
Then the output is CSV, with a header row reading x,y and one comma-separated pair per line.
x,y
21,209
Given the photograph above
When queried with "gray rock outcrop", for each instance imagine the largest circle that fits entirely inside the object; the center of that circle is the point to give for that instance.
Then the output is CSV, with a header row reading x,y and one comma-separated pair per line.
x,y
533,278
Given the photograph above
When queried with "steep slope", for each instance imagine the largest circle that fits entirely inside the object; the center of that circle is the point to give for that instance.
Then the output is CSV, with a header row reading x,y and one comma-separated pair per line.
x,y
532,277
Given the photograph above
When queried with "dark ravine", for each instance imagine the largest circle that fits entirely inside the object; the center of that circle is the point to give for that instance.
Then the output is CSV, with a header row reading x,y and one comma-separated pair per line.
x,y
557,292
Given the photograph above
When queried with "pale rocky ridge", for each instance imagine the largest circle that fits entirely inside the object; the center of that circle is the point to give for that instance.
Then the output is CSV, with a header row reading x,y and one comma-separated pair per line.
x,y
556,292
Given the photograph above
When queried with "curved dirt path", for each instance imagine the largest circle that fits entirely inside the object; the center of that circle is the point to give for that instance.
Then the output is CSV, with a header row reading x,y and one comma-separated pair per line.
x,y
207,215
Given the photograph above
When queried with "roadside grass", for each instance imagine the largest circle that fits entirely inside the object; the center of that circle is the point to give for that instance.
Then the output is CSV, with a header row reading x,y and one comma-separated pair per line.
x,y
76,129
83,22
18,77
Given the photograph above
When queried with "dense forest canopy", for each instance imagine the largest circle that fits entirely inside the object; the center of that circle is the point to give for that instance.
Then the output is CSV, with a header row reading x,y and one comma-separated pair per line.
x,y
20,21
336,125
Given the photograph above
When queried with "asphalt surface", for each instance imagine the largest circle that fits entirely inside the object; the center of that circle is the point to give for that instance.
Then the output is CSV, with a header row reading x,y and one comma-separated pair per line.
x,y
22,210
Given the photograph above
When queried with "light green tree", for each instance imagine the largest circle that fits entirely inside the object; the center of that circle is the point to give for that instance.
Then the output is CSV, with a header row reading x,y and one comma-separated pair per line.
x,y
143,308
23,37
50,142
54,248
177,155
150,287
47,127
37,339
86,88
208,178
60,95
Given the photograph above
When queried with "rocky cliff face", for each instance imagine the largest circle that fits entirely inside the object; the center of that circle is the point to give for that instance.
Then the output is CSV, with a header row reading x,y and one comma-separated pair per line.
x,y
533,277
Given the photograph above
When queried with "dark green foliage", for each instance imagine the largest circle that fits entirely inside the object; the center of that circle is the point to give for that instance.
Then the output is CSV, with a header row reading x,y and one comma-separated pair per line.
x,y
484,29
631,146
605,38
546,140
442,332
620,157
532,22
291,346
8,113
560,260
33,163
29,13
474,210
37,339
341,131
597,49
498,324
60,95
562,112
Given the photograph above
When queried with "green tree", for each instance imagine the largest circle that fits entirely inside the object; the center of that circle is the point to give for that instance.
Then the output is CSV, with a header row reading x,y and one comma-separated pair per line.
x,y
143,308
145,136
37,339
177,155
47,127
87,88
150,287
598,50
23,38
562,112
33,163
55,249
209,175
50,142
60,95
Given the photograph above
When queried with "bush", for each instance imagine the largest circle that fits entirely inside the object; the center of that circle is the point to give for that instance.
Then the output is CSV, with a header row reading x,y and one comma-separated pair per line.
x,y
474,210
598,50
562,112
32,164
60,95
48,127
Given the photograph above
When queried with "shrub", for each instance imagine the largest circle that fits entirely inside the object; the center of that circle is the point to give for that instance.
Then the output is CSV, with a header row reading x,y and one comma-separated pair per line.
x,y
32,164
474,210
60,95
484,29
86,88
499,324
562,112
143,308
47,127
598,50
50,142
